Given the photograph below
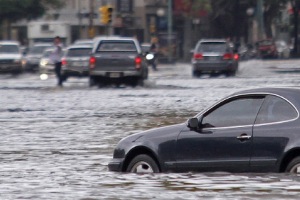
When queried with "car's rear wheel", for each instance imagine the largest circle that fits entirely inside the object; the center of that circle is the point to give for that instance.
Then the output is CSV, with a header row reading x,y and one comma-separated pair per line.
x,y
196,74
294,166
92,81
142,164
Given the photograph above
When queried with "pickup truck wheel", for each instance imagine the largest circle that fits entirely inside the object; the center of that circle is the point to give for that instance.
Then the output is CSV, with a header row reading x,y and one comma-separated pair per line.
x,y
92,82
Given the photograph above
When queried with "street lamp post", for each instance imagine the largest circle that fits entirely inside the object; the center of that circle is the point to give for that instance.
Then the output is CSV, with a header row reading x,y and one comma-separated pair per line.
x,y
250,12
170,24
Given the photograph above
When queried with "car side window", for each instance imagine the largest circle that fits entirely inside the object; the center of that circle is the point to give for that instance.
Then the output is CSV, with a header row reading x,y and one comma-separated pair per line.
x,y
237,112
275,109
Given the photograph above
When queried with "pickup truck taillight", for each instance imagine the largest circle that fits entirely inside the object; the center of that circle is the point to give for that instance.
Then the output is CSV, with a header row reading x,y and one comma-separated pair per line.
x,y
138,62
92,62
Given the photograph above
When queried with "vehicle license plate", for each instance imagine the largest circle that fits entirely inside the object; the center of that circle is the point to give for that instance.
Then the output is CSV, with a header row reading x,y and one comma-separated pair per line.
x,y
114,75
213,58
77,64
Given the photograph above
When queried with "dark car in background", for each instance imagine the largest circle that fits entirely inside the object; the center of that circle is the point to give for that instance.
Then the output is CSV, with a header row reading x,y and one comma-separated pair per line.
x,y
267,49
117,60
214,56
31,59
76,61
10,57
255,130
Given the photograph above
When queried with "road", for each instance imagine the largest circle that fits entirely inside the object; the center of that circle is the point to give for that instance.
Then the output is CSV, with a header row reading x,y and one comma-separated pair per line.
x,y
56,142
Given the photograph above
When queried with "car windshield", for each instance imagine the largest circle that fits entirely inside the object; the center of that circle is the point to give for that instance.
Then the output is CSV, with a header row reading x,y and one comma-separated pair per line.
x,y
9,49
37,49
79,52
212,47
117,46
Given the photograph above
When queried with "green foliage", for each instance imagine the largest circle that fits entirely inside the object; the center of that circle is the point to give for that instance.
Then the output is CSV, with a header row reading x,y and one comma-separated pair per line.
x,y
29,9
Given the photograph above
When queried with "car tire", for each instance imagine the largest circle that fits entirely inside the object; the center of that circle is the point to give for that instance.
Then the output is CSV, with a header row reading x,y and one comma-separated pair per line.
x,y
231,73
92,81
294,166
142,164
196,74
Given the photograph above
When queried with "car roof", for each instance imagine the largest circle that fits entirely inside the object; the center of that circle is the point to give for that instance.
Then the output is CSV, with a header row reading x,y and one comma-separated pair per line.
x,y
80,46
114,38
9,42
290,93
213,40
42,44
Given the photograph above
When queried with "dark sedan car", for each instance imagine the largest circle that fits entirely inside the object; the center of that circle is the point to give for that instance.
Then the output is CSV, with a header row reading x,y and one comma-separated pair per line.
x,y
255,130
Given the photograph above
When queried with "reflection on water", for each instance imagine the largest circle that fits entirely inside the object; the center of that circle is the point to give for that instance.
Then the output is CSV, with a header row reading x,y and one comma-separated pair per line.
x,y
56,144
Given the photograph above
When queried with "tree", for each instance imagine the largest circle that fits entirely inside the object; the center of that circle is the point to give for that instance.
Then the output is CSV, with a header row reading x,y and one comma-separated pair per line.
x,y
186,11
13,10
296,8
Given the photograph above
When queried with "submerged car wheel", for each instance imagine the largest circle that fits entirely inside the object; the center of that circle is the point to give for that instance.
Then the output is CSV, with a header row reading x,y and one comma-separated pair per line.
x,y
142,164
294,166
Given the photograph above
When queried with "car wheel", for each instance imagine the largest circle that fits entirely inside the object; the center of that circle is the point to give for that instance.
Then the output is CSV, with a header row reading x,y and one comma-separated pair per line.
x,y
92,81
196,74
142,164
294,166
231,73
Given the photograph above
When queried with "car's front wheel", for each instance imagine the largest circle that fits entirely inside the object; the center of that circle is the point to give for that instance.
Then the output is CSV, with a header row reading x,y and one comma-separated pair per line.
x,y
294,166
142,164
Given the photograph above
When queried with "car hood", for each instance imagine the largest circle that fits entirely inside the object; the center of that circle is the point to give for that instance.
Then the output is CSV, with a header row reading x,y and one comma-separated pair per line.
x,y
10,56
157,134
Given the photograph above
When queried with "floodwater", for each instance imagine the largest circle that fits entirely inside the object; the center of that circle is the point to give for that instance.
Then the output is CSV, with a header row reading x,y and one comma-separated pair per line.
x,y
56,142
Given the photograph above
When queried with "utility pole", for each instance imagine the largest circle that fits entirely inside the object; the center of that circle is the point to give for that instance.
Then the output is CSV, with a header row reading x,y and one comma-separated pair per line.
x,y
91,19
260,19
170,25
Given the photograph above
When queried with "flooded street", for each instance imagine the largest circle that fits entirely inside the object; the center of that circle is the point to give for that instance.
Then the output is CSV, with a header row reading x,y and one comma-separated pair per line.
x,y
56,142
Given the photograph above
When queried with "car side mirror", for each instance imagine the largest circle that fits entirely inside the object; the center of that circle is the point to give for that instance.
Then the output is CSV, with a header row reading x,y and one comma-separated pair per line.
x,y
193,123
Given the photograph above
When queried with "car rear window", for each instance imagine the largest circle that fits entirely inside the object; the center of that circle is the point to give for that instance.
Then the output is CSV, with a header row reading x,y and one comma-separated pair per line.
x,y
79,52
112,46
212,47
9,49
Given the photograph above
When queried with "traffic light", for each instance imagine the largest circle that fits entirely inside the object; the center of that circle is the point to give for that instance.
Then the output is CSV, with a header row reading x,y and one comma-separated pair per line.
x,y
106,14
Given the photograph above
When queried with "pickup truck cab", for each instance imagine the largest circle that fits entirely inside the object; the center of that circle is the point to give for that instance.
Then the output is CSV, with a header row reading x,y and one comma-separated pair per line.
x,y
117,60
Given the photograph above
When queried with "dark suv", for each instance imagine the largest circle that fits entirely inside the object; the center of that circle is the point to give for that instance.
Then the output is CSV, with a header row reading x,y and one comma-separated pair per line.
x,y
117,60
214,56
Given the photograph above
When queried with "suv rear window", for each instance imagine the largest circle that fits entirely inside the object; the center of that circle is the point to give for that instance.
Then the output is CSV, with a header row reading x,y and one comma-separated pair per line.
x,y
79,52
113,46
212,47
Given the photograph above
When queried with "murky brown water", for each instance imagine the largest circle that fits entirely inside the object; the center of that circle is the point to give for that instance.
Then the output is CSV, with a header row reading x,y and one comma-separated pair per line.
x,y
56,143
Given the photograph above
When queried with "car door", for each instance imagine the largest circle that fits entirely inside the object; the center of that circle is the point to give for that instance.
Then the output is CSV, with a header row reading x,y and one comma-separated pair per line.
x,y
273,129
223,143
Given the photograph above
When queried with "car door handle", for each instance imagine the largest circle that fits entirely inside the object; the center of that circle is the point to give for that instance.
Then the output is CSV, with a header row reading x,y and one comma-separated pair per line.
x,y
244,137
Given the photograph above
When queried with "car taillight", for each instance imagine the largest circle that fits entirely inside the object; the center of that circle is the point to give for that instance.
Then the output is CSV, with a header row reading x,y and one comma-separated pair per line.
x,y
138,62
236,56
64,62
228,56
92,62
198,56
